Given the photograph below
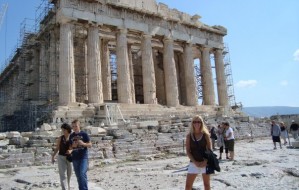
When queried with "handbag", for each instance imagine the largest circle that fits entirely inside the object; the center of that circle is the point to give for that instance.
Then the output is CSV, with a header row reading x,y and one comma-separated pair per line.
x,y
69,158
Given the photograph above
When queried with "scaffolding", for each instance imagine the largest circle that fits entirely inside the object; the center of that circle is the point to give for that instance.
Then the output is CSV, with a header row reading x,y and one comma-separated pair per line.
x,y
17,110
198,81
229,77
227,72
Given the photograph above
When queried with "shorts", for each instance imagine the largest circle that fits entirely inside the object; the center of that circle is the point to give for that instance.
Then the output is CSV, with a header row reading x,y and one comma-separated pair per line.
x,y
193,169
231,145
276,138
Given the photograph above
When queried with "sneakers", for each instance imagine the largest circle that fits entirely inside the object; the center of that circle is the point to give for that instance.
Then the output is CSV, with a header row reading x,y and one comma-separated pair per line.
x,y
274,148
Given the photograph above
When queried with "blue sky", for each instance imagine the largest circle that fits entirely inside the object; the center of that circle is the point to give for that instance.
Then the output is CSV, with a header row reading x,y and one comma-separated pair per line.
x,y
263,39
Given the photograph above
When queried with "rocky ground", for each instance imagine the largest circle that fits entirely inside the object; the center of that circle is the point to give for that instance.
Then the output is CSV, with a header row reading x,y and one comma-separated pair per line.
x,y
257,166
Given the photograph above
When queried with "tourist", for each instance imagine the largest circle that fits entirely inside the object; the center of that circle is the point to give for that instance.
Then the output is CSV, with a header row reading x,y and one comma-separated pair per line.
x,y
229,139
197,142
64,164
80,141
275,133
213,136
294,129
284,132
220,141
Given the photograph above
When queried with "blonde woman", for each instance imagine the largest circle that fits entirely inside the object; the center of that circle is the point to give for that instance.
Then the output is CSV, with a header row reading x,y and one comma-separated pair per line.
x,y
197,141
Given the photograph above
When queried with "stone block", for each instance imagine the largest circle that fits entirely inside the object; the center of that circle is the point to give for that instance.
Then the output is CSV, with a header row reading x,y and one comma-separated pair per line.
x,y
2,136
24,140
13,134
164,122
54,127
45,133
108,138
164,128
98,131
14,141
27,134
56,133
146,123
4,142
295,144
45,127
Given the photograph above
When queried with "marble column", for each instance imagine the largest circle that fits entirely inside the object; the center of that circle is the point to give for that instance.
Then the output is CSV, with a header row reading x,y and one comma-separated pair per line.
x,y
52,66
171,85
34,76
148,71
124,92
106,71
131,73
67,91
43,74
95,90
207,77
221,78
189,73
27,75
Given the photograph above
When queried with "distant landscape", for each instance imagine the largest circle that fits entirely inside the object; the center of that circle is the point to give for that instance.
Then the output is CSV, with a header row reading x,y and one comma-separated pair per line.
x,y
271,110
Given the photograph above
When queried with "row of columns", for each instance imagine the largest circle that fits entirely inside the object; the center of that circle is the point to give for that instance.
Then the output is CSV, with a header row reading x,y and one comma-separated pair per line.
x,y
98,69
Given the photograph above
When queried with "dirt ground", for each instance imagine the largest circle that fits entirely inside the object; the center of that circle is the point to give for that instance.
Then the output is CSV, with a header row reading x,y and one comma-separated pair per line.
x,y
256,166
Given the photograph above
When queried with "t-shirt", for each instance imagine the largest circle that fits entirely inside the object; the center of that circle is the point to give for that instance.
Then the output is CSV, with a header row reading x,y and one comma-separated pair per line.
x,y
227,132
79,152
294,127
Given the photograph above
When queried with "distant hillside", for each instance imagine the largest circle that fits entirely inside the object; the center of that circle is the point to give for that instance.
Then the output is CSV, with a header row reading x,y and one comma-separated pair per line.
x,y
271,110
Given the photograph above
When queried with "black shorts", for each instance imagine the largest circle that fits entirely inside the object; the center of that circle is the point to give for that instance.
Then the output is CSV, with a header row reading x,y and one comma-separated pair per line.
x,y
231,145
276,138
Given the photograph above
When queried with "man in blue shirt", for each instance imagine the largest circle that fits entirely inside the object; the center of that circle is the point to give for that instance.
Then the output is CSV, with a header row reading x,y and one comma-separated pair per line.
x,y
80,142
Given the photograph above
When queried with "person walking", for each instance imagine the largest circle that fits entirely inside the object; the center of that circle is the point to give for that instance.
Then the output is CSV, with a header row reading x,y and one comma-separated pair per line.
x,y
80,142
229,139
64,165
283,132
294,129
275,133
197,142
213,136
220,141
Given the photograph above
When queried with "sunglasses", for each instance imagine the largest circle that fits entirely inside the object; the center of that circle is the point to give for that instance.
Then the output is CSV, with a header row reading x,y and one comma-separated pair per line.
x,y
197,122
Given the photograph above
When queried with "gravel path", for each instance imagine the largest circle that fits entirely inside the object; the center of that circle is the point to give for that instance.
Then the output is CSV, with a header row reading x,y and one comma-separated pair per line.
x,y
257,166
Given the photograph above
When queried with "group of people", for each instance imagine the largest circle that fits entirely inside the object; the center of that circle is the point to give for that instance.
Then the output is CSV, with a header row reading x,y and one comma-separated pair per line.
x,y
72,147
198,141
280,130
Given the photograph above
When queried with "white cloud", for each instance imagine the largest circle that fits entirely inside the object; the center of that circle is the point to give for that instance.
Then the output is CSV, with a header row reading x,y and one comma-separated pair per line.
x,y
284,83
296,55
246,83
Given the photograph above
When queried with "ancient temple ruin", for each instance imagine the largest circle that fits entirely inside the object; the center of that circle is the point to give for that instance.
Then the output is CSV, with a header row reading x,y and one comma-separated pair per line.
x,y
105,60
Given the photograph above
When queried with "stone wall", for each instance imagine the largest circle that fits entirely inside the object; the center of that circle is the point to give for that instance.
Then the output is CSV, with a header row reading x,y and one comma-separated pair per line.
x,y
141,140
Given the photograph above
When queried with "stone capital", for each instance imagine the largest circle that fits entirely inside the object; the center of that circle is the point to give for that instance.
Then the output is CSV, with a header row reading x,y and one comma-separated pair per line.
x,y
145,35
205,48
94,25
187,43
167,39
122,30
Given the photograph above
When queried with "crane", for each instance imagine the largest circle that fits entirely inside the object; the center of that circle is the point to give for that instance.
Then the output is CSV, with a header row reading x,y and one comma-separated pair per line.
x,y
2,13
